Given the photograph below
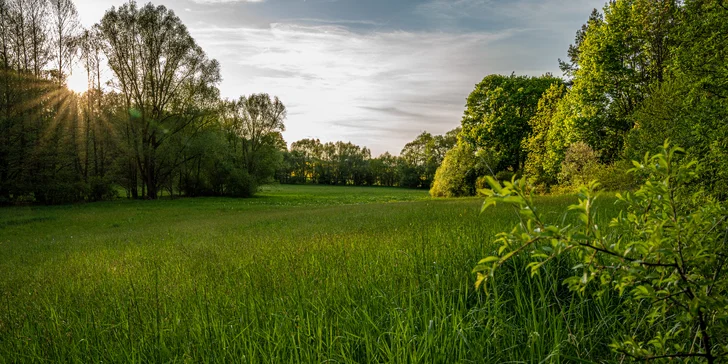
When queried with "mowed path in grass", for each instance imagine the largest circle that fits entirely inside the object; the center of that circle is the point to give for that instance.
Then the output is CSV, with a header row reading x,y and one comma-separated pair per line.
x,y
297,274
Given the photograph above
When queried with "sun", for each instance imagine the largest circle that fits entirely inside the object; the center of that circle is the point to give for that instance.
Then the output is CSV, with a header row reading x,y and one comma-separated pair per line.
x,y
77,81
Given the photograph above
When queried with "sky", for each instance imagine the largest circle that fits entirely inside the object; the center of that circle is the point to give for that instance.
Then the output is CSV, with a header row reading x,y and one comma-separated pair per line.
x,y
376,73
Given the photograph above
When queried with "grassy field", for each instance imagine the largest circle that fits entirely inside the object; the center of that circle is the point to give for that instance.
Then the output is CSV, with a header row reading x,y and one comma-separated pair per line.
x,y
298,274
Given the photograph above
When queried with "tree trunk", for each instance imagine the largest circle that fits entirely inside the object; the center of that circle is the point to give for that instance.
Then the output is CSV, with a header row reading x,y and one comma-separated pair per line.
x,y
133,180
150,175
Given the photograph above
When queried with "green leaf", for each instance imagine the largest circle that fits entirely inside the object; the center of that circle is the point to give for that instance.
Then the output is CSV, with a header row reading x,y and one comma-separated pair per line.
x,y
487,203
489,259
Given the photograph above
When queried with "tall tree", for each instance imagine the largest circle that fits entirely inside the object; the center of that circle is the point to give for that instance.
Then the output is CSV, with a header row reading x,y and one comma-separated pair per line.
x,y
65,33
497,114
570,66
164,76
619,58
384,170
253,121
457,174
7,61
310,152
420,158
691,105
94,146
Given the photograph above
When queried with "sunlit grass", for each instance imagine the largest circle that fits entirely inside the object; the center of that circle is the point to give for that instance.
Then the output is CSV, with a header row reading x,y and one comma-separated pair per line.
x,y
299,274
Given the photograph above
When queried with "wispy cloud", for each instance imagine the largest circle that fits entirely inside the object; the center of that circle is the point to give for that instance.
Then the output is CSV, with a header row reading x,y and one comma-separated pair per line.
x,y
520,10
396,112
319,21
395,83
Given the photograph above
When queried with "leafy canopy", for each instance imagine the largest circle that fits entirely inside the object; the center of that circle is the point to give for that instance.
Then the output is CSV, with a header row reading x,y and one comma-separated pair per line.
x,y
497,114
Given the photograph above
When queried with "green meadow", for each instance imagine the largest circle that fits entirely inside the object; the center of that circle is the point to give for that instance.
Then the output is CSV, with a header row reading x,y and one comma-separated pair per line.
x,y
296,274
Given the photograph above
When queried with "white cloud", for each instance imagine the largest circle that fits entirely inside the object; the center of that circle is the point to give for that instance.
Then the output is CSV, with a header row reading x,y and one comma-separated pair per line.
x,y
377,89
331,21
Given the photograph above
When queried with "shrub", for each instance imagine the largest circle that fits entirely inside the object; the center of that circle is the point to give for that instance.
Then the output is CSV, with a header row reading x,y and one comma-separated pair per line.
x,y
240,184
616,177
579,165
100,189
666,255
456,176
60,192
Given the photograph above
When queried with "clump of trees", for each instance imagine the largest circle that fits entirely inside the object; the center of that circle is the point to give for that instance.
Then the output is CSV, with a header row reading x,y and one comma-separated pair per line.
x,y
458,173
343,163
639,72
157,127
497,116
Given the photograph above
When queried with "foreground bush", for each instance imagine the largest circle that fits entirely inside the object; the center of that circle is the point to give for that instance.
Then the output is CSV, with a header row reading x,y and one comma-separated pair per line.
x,y
666,256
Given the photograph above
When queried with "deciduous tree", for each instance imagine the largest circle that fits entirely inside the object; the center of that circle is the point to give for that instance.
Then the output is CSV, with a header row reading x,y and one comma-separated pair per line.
x,y
163,74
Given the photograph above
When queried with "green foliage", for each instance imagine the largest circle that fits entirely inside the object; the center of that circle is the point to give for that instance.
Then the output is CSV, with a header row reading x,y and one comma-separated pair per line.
x,y
702,50
457,174
164,128
340,163
619,176
579,165
101,188
570,66
665,256
311,161
497,115
421,158
384,170
691,106
642,72
621,55
662,116
538,145
681,109
169,88
253,127
215,166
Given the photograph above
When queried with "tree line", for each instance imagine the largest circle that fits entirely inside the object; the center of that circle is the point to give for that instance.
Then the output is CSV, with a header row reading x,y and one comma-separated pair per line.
x,y
344,163
640,72
159,126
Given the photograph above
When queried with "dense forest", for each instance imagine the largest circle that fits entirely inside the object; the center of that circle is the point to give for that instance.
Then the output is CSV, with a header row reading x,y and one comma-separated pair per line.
x,y
638,73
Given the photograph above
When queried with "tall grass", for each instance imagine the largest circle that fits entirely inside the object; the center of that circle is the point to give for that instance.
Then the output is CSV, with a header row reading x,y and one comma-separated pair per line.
x,y
302,274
